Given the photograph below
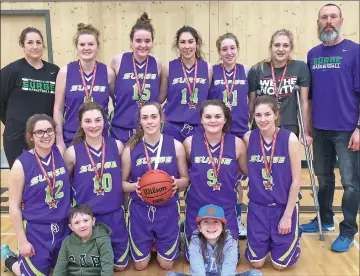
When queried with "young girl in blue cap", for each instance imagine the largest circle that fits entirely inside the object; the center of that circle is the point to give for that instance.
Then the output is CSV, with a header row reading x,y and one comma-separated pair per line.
x,y
212,250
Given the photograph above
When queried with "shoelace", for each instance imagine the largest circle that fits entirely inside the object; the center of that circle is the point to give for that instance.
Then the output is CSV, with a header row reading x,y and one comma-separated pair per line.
x,y
153,210
188,127
54,229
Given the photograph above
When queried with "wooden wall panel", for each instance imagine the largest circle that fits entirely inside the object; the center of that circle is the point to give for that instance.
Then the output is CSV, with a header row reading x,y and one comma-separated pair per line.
x,y
252,21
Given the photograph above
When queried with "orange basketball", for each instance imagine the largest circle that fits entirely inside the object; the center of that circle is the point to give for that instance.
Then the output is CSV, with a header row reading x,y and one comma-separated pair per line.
x,y
155,186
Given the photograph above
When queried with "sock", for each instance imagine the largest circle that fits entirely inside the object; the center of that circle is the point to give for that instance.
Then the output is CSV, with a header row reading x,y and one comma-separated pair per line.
x,y
9,262
238,209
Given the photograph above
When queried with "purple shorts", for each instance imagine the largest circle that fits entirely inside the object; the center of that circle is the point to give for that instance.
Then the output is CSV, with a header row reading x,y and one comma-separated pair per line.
x,y
122,134
119,235
180,131
263,236
149,224
46,239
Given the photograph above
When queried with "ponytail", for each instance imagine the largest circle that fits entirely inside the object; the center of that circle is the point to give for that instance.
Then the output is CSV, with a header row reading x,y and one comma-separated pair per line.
x,y
135,139
79,136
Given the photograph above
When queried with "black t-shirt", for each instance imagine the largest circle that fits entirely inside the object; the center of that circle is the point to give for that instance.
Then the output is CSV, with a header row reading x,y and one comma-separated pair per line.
x,y
297,73
25,91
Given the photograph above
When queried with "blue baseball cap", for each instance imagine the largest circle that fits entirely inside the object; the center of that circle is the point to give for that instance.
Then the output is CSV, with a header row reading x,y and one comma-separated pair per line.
x,y
211,211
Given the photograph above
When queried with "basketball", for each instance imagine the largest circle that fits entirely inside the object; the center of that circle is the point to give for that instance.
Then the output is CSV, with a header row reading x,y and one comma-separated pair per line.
x,y
155,187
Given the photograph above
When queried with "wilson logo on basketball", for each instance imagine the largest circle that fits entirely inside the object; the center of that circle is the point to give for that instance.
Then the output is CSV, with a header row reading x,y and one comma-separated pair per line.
x,y
154,190
211,211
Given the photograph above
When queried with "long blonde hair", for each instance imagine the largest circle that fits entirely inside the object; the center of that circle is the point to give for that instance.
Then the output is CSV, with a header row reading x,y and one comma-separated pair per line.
x,y
284,32
139,132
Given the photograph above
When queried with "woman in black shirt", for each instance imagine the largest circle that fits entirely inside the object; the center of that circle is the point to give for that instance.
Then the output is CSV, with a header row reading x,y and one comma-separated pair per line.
x,y
27,88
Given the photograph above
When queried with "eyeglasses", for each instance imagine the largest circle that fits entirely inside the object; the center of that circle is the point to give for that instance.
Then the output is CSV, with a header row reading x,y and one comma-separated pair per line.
x,y
41,133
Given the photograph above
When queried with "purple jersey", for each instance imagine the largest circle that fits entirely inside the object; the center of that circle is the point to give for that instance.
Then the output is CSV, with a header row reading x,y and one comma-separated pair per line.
x,y
178,97
85,183
262,189
238,98
126,94
36,192
75,94
335,85
167,163
202,191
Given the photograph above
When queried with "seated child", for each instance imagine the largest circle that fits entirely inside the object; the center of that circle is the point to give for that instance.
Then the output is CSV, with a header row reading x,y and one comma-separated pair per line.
x,y
88,250
212,250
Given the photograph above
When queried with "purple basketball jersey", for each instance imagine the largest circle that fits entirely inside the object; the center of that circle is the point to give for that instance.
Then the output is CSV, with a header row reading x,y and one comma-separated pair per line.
x,y
75,94
36,192
85,184
167,163
238,98
126,93
178,97
264,190
202,190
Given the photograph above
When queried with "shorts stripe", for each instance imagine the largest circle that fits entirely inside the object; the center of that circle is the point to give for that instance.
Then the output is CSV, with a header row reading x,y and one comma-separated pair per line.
x,y
27,259
283,257
137,251
122,258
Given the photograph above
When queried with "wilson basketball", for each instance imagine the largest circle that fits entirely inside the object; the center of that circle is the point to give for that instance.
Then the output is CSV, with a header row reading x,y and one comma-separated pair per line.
x,y
155,187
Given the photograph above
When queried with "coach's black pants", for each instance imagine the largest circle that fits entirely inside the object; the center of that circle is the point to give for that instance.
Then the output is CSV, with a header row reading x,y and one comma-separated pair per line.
x,y
13,149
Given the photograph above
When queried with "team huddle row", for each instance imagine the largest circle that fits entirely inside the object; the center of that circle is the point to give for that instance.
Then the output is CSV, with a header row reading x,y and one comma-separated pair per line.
x,y
188,119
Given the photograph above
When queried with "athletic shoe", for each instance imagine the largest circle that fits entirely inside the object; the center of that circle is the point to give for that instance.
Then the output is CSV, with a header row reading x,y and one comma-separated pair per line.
x,y
342,244
313,226
242,228
6,252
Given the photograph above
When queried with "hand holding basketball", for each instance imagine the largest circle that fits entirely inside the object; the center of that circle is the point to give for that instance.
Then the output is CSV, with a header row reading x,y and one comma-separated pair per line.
x,y
174,185
155,186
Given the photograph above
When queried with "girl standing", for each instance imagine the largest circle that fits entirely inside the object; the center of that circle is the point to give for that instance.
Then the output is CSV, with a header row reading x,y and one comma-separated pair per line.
x,y
82,81
185,83
137,81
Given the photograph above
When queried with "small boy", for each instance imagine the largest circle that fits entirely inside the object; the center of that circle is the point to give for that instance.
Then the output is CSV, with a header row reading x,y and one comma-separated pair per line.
x,y
88,250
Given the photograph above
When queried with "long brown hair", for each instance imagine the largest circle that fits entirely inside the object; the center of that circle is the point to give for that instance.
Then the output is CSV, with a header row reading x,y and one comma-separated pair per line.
x,y
30,126
220,243
225,109
139,132
199,43
80,134
284,32
271,102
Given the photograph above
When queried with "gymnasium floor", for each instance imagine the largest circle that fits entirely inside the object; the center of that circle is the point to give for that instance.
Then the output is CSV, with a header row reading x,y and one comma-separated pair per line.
x,y
316,257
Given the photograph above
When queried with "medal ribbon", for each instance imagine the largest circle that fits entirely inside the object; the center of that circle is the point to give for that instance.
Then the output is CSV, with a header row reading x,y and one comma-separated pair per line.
x,y
50,185
191,90
87,92
140,88
267,164
229,91
98,176
215,169
276,88
157,154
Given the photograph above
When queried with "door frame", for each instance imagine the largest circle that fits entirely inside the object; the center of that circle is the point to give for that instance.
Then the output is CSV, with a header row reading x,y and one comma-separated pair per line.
x,y
46,14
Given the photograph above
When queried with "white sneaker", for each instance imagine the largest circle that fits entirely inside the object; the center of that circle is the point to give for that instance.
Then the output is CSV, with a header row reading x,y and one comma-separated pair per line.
x,y
242,228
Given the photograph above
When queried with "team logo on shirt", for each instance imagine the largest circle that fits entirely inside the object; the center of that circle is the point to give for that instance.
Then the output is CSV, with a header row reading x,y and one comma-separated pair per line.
x,y
326,63
38,85
287,86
